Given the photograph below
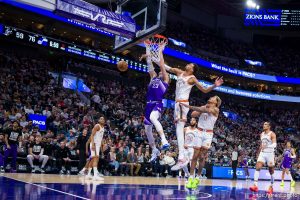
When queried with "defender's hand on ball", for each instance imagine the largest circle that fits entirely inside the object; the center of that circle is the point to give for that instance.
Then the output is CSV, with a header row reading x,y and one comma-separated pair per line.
x,y
219,81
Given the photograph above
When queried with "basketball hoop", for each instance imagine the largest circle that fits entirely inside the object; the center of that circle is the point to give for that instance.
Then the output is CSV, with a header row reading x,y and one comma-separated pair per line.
x,y
154,46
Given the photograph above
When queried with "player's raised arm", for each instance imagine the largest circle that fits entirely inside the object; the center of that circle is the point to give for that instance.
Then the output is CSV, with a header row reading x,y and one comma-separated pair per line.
x,y
151,71
165,75
203,109
173,70
218,82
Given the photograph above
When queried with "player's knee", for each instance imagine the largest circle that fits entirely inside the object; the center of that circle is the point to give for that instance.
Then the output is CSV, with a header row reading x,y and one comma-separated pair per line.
x,y
153,118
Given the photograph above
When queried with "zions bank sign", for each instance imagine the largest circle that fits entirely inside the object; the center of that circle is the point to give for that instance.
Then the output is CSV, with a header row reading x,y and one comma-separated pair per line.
x,y
262,17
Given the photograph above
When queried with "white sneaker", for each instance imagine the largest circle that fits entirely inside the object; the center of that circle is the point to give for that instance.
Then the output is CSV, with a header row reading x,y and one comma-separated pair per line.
x,y
154,155
180,164
204,177
81,173
97,178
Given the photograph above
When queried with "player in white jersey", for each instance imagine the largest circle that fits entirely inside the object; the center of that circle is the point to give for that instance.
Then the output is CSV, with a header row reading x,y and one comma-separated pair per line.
x,y
208,115
190,133
266,156
185,82
95,145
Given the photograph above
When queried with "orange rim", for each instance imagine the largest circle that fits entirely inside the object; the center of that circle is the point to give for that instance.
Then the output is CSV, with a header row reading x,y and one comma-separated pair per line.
x,y
148,41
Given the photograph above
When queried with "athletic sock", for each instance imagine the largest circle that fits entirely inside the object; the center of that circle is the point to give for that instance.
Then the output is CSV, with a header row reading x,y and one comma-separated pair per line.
x,y
272,179
89,171
95,171
290,176
256,175
180,138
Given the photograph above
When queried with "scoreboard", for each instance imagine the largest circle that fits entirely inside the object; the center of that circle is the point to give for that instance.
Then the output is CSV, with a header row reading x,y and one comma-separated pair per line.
x,y
272,18
48,42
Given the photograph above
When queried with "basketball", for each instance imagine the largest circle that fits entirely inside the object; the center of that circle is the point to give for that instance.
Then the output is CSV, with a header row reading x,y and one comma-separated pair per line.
x,y
122,66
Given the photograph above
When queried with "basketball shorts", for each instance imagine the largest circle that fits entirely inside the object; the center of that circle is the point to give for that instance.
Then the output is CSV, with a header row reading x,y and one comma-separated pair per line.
x,y
180,112
155,106
266,157
204,139
286,165
95,152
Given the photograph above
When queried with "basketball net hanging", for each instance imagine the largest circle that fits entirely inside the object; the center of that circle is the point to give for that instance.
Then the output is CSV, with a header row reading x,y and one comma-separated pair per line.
x,y
154,46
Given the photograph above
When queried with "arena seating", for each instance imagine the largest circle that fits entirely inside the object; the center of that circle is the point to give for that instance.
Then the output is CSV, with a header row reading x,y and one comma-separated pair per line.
x,y
28,88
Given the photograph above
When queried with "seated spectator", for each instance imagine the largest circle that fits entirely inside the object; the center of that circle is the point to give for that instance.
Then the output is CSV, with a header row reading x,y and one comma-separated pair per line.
x,y
141,160
36,152
113,159
122,160
2,147
132,162
63,158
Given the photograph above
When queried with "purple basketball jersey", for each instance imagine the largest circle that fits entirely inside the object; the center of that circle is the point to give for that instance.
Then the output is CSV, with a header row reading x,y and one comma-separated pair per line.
x,y
287,160
156,90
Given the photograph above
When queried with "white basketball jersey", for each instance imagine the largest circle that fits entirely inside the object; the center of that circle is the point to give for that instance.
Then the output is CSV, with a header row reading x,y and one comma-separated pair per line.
x,y
190,135
183,88
266,141
99,135
207,121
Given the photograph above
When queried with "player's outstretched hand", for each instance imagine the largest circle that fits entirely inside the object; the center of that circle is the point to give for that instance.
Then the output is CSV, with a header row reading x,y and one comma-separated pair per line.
x,y
185,105
219,81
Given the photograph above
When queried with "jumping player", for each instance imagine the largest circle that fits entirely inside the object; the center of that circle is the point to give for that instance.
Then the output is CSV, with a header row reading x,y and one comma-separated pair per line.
x,y
95,145
156,90
266,155
288,156
185,82
243,160
190,133
208,115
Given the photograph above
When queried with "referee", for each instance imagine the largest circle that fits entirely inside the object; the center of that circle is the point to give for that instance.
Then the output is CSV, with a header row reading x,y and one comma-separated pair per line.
x,y
234,162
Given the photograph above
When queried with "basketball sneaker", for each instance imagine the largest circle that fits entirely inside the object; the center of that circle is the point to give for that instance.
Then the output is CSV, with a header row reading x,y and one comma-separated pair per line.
x,y
195,183
270,190
189,183
293,183
282,184
154,155
2,170
33,170
81,173
165,145
42,170
254,188
180,164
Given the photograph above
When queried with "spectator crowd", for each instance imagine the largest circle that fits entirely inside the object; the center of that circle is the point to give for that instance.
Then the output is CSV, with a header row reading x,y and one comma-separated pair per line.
x,y
28,88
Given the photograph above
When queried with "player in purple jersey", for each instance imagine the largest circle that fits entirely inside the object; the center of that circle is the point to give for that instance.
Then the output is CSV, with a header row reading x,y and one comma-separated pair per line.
x,y
243,160
156,90
288,156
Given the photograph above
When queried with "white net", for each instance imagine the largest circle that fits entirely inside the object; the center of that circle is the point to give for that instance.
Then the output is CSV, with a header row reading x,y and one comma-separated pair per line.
x,y
154,46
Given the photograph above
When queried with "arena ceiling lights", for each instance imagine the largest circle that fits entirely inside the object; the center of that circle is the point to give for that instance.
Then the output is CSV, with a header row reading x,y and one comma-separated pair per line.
x,y
252,4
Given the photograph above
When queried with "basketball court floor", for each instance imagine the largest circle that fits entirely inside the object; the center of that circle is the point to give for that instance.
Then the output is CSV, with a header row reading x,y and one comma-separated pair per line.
x,y
46,186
